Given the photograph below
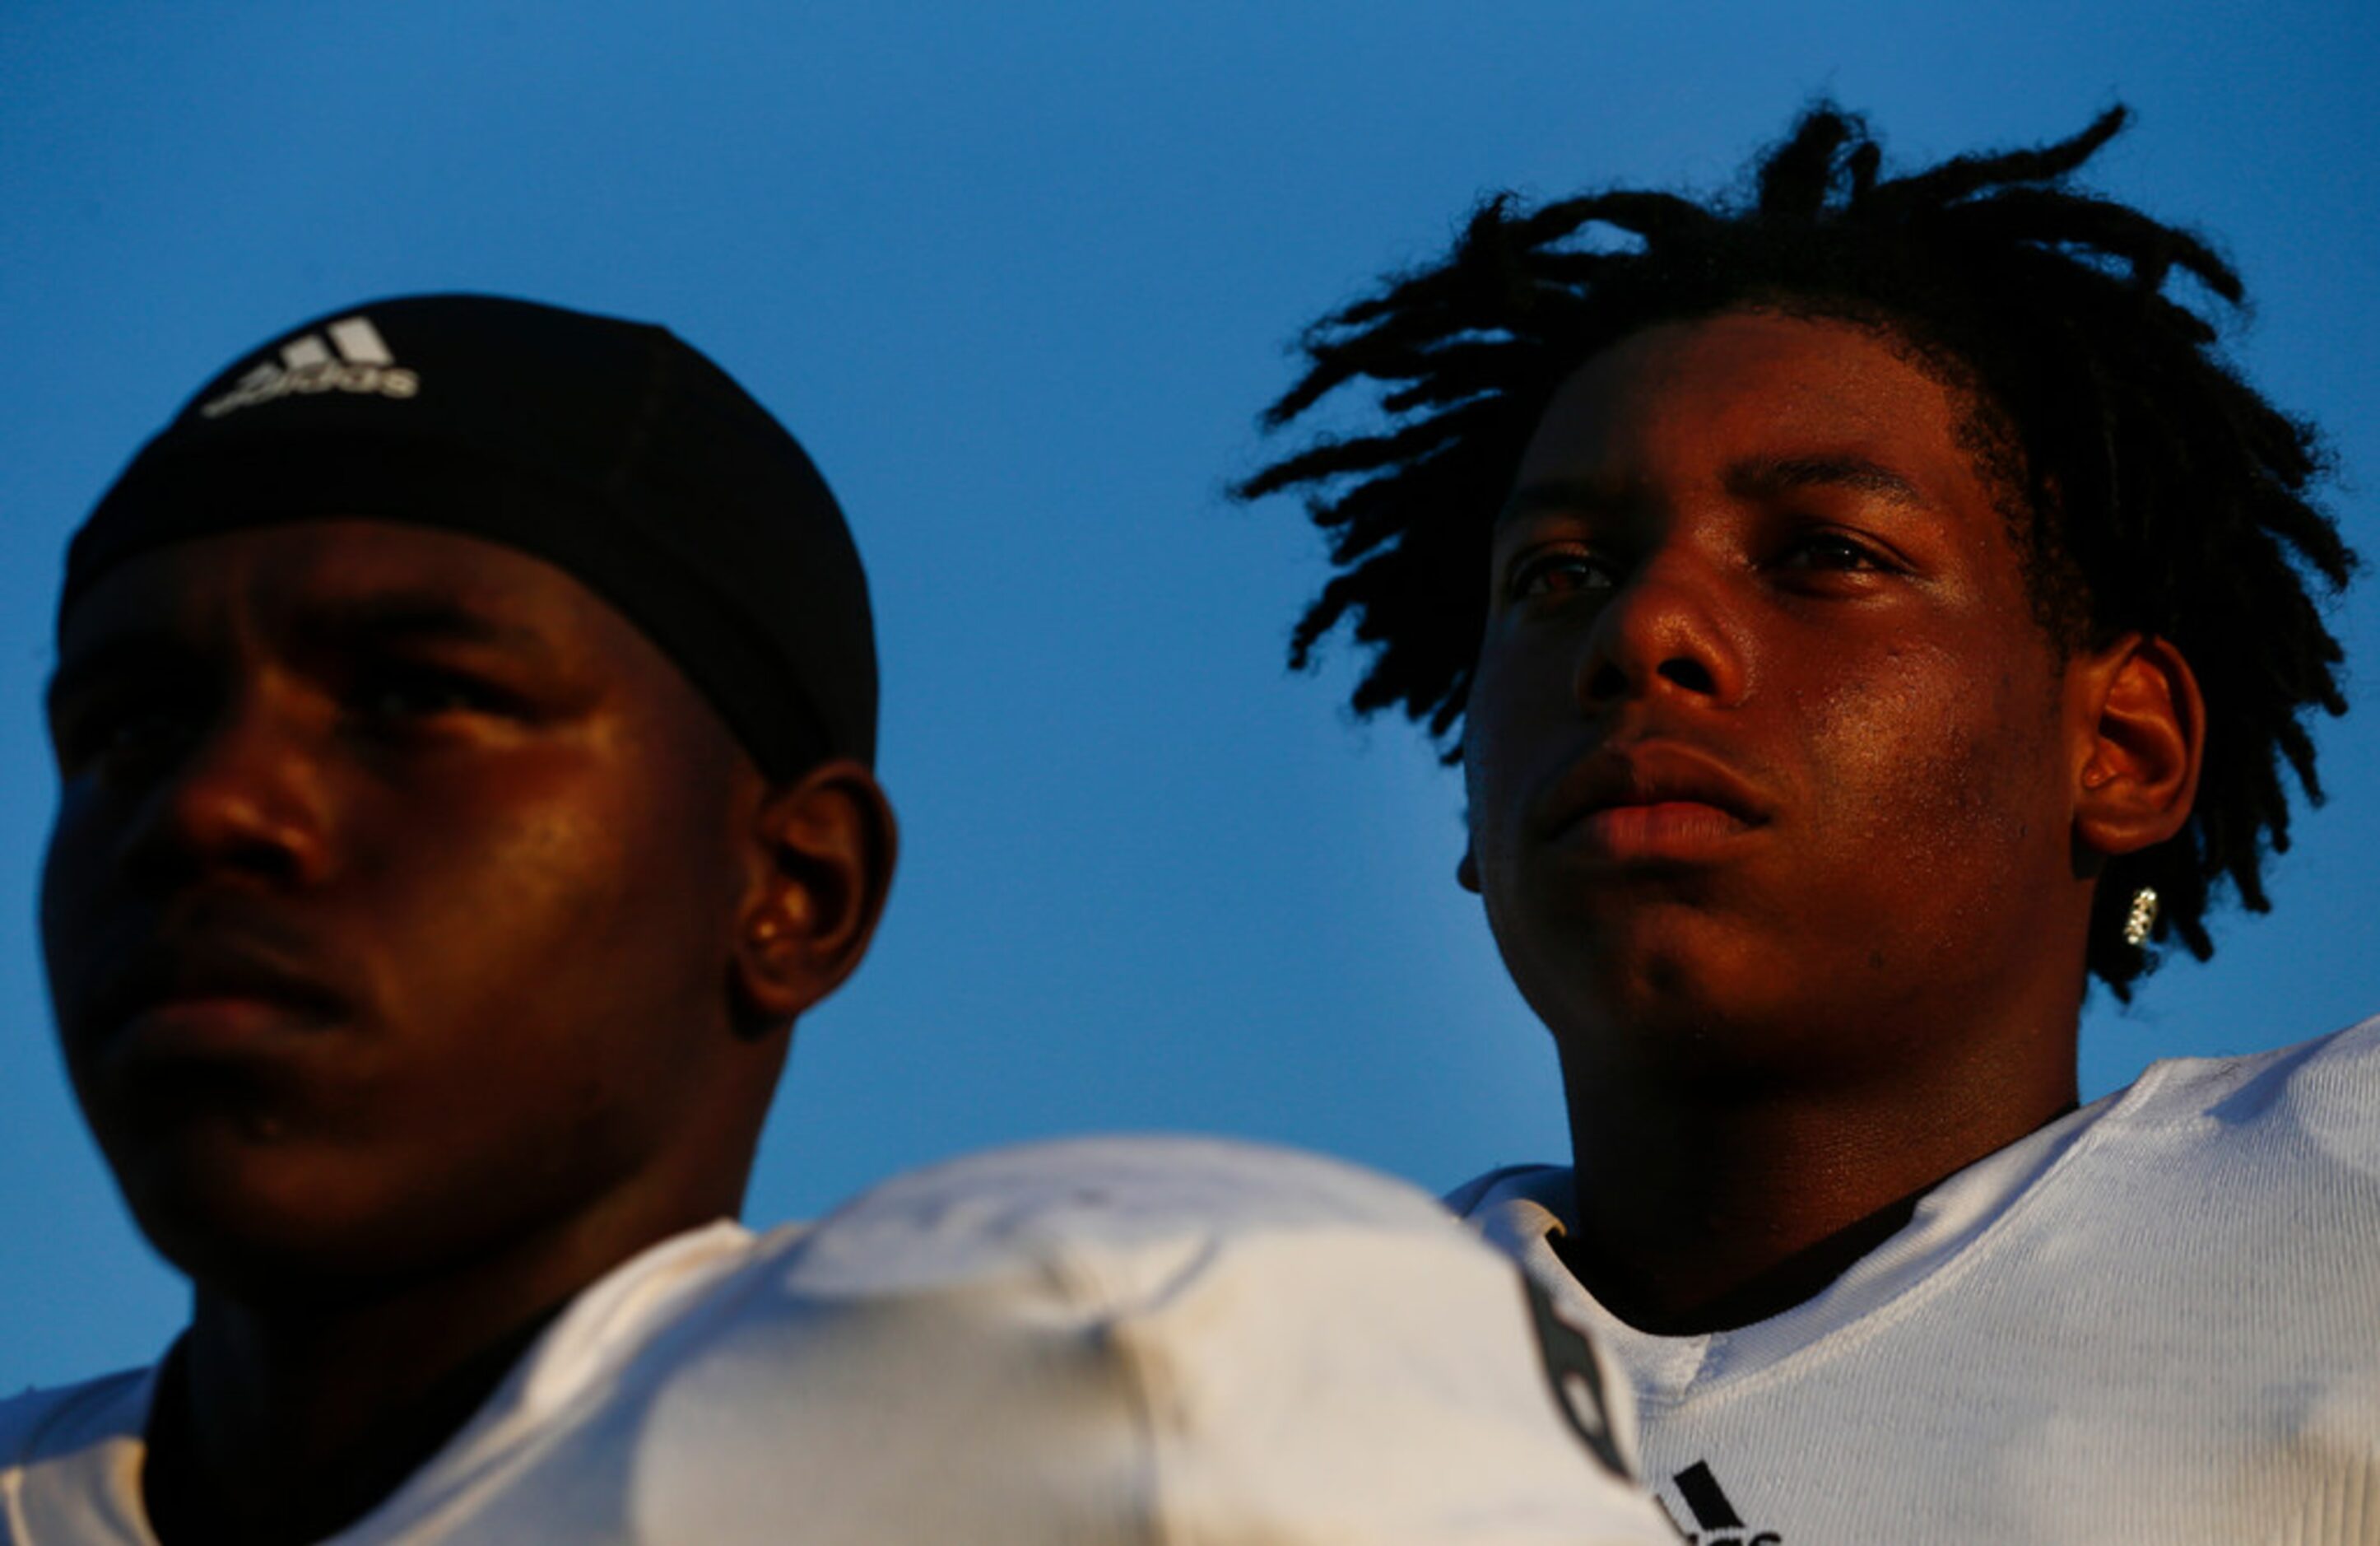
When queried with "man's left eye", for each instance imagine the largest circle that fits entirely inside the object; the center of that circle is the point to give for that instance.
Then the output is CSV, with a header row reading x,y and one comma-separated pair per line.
x,y
418,692
1827,550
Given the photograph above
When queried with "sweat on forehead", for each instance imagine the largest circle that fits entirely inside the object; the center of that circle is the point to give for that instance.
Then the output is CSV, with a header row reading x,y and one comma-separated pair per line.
x,y
610,449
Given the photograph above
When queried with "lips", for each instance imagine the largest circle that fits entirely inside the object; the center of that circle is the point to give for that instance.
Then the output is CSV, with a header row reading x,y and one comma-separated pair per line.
x,y
205,993
1653,798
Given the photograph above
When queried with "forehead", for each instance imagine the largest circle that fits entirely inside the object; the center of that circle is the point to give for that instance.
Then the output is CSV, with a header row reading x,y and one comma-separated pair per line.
x,y
303,574
1756,384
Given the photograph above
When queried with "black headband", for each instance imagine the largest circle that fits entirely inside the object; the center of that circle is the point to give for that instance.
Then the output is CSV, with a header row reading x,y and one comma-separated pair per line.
x,y
608,448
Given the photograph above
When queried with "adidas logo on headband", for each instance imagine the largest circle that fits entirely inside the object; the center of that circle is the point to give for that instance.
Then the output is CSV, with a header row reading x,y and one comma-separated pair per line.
x,y
611,449
306,364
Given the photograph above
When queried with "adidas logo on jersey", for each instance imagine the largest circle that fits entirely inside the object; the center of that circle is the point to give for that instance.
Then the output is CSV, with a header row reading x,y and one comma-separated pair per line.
x,y
1715,1521
361,363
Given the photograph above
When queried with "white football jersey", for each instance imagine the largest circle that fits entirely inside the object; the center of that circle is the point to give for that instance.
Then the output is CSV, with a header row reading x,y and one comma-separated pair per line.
x,y
2157,1320
1125,1341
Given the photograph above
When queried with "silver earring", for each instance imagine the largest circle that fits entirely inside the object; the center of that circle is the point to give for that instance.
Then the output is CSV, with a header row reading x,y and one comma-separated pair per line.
x,y
2141,918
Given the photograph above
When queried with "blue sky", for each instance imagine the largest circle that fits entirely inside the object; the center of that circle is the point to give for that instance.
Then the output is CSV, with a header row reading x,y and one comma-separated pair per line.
x,y
1020,278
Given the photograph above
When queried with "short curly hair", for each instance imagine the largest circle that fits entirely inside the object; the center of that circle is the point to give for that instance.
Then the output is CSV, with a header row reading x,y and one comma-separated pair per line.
x,y
2150,487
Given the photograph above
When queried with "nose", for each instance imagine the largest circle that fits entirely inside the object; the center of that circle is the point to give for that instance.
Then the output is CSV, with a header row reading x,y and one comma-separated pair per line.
x,y
1666,632
244,798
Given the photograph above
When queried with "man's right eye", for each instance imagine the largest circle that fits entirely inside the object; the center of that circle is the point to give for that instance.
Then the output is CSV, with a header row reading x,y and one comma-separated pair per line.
x,y
1561,570
122,731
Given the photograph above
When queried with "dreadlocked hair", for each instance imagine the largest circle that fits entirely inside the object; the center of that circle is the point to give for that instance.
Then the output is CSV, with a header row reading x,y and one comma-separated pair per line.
x,y
2148,486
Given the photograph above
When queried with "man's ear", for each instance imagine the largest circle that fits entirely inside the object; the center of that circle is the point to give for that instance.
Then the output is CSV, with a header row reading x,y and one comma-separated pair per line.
x,y
823,849
2144,729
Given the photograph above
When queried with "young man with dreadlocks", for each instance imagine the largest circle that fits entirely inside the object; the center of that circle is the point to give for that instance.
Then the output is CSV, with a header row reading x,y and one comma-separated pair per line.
x,y
1869,611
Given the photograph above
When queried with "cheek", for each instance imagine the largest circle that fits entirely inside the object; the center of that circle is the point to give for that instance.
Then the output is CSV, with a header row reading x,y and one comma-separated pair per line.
x,y
1938,769
1515,717
556,892
535,845
75,866
62,858
549,977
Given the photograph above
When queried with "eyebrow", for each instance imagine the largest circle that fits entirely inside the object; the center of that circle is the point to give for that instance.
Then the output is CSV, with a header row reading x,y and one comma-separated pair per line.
x,y
389,617
1753,478
1577,495
398,617
1767,477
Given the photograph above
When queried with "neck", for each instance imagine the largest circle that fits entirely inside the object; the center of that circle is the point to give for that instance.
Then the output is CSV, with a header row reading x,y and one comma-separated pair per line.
x,y
1707,1202
284,1419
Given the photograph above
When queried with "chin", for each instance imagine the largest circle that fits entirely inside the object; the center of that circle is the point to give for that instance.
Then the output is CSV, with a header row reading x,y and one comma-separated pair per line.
x,y
258,1218
1675,1001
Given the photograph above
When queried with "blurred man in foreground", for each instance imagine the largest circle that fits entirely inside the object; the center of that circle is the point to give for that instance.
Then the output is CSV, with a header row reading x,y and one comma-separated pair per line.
x,y
465,714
